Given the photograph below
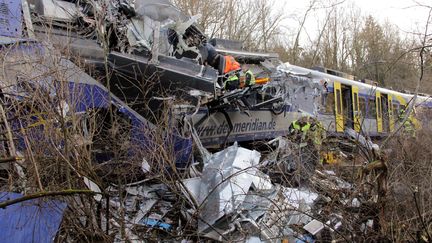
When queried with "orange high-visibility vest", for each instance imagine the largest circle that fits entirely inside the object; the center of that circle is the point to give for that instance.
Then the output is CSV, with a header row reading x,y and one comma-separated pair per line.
x,y
231,64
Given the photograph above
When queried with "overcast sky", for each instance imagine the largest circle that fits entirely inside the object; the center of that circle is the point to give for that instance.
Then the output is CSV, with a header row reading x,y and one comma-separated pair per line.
x,y
402,13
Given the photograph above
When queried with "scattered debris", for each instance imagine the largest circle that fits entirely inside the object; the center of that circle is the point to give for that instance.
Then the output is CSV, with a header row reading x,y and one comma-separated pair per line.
x,y
233,193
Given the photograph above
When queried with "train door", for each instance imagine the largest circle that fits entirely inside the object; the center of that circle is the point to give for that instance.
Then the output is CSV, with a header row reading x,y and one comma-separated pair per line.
x,y
338,107
391,113
385,113
356,108
378,105
347,105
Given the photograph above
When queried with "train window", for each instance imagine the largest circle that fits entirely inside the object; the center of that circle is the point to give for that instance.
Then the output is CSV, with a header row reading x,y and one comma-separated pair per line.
x,y
338,102
362,102
371,109
395,111
379,111
356,108
401,109
379,107
329,103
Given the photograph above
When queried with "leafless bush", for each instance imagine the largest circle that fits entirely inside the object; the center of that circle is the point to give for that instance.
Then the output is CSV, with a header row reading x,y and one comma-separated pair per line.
x,y
407,215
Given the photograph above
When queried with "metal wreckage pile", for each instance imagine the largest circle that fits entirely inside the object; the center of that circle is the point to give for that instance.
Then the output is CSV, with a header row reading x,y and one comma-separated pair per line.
x,y
235,194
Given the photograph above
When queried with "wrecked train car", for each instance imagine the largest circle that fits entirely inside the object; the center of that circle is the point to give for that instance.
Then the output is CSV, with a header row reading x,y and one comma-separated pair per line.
x,y
366,108
149,49
38,80
165,55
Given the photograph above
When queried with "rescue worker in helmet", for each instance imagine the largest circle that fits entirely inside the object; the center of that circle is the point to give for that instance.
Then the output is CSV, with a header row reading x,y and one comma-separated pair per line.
x,y
233,81
308,131
318,133
249,76
307,157
232,72
308,128
299,128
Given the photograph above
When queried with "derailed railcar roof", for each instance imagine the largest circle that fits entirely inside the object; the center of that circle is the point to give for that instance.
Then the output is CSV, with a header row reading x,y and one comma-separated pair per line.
x,y
37,67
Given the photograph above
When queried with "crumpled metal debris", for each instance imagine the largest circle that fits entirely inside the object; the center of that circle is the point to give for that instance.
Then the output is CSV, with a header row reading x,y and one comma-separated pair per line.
x,y
365,142
298,90
314,227
158,10
225,181
290,163
234,196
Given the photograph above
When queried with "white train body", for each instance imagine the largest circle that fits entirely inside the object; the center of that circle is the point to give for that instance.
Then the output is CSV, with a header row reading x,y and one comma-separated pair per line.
x,y
343,103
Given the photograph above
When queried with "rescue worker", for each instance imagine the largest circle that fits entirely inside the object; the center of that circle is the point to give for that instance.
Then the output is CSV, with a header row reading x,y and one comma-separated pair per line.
x,y
408,125
300,128
230,64
232,82
232,69
210,55
309,128
308,158
249,76
318,134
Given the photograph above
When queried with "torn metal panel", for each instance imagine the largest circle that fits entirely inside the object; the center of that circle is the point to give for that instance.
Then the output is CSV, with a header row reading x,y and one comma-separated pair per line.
x,y
193,186
314,227
34,220
270,213
186,43
300,202
299,90
138,34
226,179
365,142
257,204
57,10
145,207
262,182
278,216
172,74
10,18
158,10
301,199
88,49
93,187
246,56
